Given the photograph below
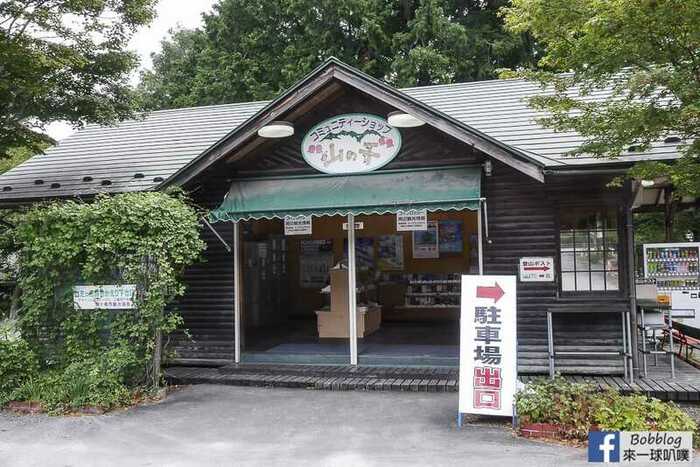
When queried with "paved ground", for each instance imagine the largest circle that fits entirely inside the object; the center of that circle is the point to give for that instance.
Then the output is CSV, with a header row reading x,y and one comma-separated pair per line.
x,y
222,425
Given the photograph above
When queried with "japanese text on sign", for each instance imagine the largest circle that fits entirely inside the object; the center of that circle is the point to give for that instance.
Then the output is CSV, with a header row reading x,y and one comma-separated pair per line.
x,y
413,219
351,143
646,447
297,225
104,297
488,345
537,269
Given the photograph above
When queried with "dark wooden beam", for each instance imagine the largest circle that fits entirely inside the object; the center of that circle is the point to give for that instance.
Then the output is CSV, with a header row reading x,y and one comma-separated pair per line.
x,y
442,124
310,89
249,128
328,93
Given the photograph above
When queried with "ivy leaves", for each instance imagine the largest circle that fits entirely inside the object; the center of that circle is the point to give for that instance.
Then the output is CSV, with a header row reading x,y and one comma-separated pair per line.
x,y
145,239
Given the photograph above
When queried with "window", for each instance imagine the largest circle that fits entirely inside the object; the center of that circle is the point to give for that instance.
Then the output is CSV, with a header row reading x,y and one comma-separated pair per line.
x,y
588,240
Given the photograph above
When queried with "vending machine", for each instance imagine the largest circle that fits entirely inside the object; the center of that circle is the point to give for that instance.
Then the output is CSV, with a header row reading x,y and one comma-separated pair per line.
x,y
675,267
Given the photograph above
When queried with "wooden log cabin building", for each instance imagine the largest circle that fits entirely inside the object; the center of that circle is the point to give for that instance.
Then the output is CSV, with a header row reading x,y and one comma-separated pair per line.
x,y
497,185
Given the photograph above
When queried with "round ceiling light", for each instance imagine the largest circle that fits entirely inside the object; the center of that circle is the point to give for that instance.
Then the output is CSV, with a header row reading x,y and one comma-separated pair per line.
x,y
404,120
276,130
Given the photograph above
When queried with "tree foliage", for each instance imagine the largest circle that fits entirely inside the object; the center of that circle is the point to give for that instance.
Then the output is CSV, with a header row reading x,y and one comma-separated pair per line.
x,y
646,51
65,60
137,238
14,157
251,50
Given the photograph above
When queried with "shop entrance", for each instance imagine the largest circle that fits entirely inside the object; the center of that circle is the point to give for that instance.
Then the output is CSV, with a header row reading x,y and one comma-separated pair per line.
x,y
295,303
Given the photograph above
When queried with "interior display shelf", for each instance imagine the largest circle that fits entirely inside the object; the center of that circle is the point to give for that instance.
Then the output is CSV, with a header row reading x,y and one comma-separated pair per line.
x,y
446,281
427,294
672,260
661,275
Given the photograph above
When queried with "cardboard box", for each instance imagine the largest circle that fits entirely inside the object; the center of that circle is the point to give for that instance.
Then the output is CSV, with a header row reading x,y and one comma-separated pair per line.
x,y
332,325
339,291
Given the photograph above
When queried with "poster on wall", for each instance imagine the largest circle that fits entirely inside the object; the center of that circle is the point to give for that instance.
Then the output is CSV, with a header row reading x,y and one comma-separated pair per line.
x,y
426,242
364,252
315,262
451,240
315,247
390,253
488,357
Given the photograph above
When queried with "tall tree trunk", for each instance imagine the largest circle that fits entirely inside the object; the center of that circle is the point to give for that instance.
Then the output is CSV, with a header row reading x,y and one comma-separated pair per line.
x,y
669,212
14,303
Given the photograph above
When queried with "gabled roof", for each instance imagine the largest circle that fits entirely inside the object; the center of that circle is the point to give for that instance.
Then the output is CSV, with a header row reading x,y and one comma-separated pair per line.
x,y
165,145
333,70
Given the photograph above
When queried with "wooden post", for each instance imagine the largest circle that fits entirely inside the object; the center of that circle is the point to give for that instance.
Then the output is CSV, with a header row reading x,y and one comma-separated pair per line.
x,y
479,224
157,358
352,294
237,292
631,279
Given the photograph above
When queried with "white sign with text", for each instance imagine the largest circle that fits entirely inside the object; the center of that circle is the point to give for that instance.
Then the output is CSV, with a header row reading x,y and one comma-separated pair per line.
x,y
104,297
297,225
351,143
488,345
413,219
537,269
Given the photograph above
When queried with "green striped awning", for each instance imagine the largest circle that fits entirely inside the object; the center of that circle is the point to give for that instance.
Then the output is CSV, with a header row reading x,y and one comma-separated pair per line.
x,y
436,189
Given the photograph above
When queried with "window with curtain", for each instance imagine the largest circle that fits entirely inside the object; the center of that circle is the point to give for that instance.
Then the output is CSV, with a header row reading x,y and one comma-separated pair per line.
x,y
589,247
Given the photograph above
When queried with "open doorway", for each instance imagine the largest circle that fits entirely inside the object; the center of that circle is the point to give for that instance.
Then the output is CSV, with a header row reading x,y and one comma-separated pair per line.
x,y
408,290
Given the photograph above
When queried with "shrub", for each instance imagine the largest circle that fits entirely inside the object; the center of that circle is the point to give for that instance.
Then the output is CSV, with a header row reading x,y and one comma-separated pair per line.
x,y
639,413
99,381
17,365
560,402
577,407
145,239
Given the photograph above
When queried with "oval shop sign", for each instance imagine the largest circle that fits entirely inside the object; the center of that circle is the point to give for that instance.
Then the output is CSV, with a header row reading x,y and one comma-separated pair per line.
x,y
351,143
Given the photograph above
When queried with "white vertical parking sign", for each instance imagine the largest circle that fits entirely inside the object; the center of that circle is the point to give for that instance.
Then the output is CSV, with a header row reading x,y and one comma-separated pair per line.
x,y
488,351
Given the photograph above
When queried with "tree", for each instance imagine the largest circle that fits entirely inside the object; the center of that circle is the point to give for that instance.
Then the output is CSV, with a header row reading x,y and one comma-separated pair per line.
x,y
14,157
646,51
65,60
447,42
250,50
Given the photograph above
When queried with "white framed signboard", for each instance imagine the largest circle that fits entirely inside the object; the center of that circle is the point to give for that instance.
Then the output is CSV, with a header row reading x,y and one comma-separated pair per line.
x,y
351,143
537,269
104,297
297,225
412,219
488,345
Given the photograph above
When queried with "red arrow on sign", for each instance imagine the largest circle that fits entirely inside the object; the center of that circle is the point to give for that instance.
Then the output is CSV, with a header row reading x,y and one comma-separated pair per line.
x,y
495,292
537,268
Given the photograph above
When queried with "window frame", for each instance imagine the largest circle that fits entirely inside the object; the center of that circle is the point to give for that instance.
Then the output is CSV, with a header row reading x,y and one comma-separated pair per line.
x,y
621,248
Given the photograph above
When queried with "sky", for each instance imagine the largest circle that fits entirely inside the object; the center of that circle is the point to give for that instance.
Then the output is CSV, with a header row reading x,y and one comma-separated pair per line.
x,y
170,14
